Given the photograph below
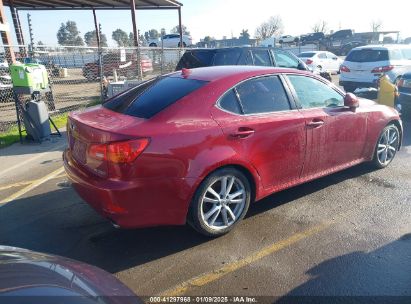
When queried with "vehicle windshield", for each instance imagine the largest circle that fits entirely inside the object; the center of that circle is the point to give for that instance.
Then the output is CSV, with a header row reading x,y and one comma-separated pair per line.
x,y
306,55
367,55
153,96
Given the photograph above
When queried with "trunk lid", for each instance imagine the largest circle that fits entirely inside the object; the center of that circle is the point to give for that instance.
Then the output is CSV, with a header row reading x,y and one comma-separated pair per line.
x,y
97,125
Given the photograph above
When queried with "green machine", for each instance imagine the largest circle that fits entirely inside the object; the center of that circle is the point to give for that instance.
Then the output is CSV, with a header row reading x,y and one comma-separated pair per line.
x,y
32,79
28,78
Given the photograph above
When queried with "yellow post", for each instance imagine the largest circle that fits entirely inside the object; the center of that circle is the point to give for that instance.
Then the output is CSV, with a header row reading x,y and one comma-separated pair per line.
x,y
387,92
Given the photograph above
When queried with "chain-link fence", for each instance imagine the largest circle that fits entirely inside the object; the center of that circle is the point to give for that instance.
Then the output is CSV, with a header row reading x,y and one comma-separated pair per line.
x,y
79,76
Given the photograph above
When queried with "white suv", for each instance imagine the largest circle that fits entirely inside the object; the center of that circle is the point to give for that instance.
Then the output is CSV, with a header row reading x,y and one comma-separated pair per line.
x,y
172,41
364,65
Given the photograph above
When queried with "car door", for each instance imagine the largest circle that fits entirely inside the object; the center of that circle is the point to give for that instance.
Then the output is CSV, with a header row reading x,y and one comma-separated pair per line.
x,y
335,134
259,120
322,61
334,63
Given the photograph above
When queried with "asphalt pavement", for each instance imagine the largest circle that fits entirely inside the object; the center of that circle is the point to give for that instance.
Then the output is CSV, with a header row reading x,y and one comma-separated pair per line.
x,y
347,234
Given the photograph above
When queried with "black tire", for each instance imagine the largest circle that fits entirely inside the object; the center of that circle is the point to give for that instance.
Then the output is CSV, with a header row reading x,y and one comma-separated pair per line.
x,y
376,161
198,210
153,45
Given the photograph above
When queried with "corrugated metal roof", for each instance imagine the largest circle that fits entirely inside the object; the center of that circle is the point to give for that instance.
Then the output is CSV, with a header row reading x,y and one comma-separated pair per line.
x,y
90,4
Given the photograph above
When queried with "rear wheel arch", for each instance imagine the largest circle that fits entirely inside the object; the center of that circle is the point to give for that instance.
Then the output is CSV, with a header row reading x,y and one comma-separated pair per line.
x,y
398,125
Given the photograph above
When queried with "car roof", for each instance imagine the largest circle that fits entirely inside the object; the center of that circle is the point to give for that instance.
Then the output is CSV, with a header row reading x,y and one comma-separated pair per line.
x,y
382,47
236,48
215,73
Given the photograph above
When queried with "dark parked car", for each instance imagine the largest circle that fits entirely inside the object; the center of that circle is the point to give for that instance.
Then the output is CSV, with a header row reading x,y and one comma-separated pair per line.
x,y
312,38
199,146
260,56
404,89
32,277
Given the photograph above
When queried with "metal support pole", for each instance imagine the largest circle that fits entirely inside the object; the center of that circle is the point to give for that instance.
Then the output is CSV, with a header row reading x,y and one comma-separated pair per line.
x,y
180,27
135,36
100,56
17,28
5,35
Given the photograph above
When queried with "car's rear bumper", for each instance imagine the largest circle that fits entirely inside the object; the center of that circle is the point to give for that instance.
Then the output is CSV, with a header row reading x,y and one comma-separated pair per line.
x,y
131,204
356,85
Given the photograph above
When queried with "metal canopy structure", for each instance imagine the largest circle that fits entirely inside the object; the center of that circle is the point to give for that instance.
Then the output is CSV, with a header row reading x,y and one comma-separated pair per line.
x,y
91,4
132,5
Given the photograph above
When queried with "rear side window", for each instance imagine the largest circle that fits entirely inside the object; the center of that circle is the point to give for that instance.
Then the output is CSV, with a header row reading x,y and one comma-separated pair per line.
x,y
367,55
227,57
151,97
322,56
406,54
229,102
395,55
263,95
262,58
196,59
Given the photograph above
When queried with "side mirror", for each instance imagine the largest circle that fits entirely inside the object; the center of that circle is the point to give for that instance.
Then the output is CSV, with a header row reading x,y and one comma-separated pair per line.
x,y
351,101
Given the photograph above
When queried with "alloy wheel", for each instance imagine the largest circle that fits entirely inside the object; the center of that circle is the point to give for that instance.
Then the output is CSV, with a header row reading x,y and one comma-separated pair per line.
x,y
388,145
223,202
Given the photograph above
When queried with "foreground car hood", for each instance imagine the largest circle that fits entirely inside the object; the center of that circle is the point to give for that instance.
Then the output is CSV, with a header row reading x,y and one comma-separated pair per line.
x,y
28,273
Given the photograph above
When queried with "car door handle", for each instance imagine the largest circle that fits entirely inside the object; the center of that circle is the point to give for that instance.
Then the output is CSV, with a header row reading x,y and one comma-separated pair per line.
x,y
315,123
243,132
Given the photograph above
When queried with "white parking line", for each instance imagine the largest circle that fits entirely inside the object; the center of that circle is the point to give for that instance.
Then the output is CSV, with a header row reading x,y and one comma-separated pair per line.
x,y
33,185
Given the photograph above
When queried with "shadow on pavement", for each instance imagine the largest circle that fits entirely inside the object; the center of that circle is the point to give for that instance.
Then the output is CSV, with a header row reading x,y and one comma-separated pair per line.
x,y
379,276
59,222
55,143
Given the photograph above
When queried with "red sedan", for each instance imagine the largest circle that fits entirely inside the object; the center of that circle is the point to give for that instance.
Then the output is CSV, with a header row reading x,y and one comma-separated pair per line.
x,y
200,145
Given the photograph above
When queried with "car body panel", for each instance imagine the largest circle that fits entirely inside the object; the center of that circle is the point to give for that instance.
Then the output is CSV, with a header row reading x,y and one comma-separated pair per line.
x,y
26,273
192,138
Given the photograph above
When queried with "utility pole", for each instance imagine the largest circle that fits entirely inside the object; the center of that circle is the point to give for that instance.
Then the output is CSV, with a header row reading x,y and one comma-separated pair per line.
x,y
31,48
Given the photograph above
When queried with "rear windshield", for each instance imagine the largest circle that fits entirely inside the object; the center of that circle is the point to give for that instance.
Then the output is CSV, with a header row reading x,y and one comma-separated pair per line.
x,y
151,97
196,59
306,55
367,55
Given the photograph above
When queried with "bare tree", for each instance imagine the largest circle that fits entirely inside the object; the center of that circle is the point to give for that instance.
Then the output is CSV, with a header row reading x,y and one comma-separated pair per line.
x,y
269,28
320,26
376,25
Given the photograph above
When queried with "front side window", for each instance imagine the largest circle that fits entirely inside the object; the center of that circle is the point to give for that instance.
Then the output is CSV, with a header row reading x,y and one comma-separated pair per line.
x,y
313,93
262,95
284,60
261,58
230,57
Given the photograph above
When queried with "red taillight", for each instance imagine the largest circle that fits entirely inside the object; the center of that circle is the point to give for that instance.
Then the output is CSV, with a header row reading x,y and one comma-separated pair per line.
x,y
309,61
382,69
119,152
98,152
344,69
127,151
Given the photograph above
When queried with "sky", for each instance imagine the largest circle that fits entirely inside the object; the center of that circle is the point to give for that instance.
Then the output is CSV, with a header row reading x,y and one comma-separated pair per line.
x,y
219,18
